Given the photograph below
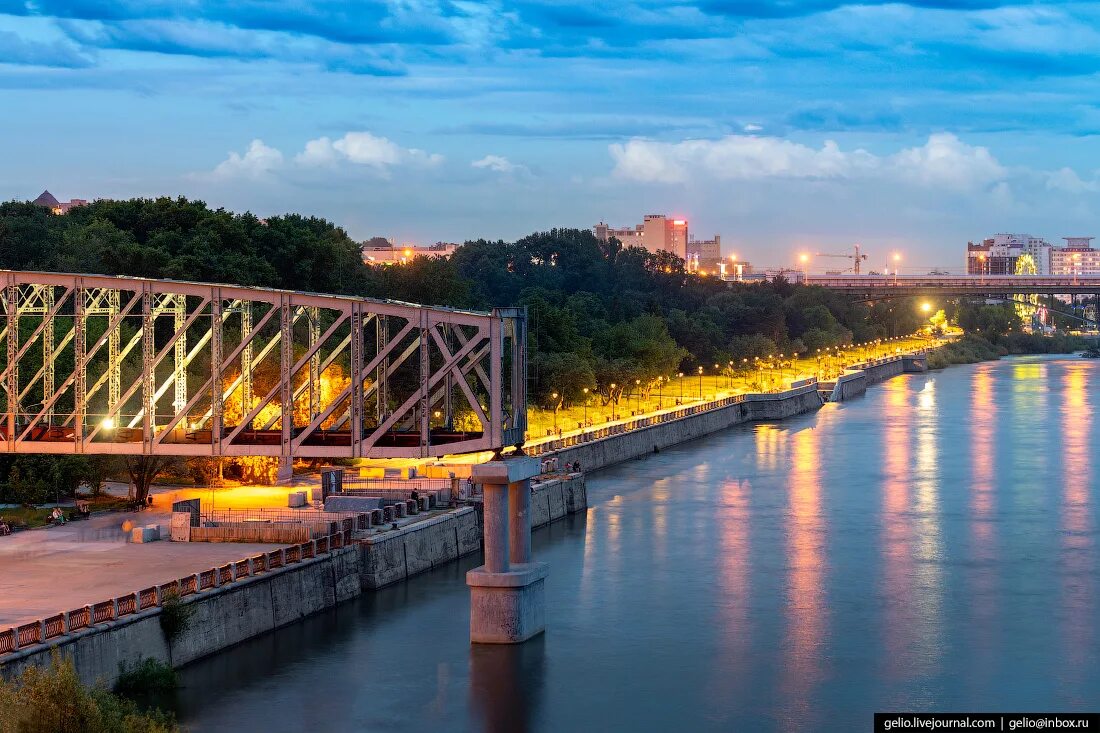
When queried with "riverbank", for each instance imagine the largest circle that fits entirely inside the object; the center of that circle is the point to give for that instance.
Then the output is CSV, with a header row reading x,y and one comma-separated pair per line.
x,y
973,348
257,604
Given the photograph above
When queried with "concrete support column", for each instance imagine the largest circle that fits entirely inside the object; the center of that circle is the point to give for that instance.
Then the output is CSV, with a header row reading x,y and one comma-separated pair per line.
x,y
519,527
495,534
507,592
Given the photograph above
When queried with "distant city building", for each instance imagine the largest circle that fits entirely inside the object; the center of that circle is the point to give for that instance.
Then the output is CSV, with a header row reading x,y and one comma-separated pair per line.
x,y
381,251
1001,255
49,201
656,233
704,254
1077,258
736,270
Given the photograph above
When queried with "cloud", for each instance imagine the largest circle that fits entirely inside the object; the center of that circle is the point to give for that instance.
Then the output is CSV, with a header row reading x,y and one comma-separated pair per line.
x,y
364,148
943,161
735,157
256,163
947,161
14,49
499,164
1067,180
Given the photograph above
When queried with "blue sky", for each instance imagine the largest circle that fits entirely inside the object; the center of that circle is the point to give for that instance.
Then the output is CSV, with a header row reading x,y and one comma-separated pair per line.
x,y
783,125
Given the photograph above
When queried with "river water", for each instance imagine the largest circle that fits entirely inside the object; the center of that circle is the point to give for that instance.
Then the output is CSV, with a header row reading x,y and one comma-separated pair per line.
x,y
929,546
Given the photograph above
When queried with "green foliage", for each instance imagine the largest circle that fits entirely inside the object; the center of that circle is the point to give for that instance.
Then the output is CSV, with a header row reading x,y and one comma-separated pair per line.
x,y
53,700
991,321
970,349
148,676
175,615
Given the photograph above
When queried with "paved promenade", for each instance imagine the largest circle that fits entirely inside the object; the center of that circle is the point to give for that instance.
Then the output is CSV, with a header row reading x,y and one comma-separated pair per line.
x,y
46,571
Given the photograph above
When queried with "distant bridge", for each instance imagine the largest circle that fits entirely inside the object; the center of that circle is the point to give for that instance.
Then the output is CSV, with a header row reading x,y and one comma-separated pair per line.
x,y
97,364
883,287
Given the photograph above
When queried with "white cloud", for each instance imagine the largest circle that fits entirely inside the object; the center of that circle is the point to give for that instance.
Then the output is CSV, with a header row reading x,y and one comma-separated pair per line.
x,y
358,148
364,148
947,161
498,163
943,160
257,162
317,152
1066,179
752,127
735,157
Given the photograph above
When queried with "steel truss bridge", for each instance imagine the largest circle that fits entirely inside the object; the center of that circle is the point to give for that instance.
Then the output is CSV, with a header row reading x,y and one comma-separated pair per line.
x,y
883,287
97,364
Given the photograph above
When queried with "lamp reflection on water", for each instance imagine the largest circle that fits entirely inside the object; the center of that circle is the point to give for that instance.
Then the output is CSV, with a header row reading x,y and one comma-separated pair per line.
x,y
807,613
1078,585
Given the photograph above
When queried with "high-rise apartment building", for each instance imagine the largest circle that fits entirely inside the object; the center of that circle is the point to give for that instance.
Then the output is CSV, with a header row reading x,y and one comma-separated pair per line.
x,y
1077,258
656,232
1000,254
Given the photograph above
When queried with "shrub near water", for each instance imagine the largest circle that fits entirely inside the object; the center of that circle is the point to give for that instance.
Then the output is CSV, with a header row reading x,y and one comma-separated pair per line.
x,y
53,700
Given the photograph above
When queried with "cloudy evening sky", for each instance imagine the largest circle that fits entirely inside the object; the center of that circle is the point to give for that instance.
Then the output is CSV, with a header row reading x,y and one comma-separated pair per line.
x,y
780,124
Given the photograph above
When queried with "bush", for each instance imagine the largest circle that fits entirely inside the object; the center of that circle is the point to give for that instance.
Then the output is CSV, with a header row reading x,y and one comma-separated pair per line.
x,y
53,700
175,616
148,676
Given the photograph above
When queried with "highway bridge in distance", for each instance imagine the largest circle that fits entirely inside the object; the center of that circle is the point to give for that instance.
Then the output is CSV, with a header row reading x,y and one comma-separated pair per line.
x,y
98,364
884,287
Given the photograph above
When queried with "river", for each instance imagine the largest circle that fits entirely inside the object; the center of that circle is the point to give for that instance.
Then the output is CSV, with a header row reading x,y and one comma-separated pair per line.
x,y
929,546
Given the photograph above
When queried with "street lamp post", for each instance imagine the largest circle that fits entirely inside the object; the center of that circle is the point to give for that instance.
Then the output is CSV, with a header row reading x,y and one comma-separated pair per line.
x,y
681,374
700,384
638,395
555,396
611,398
586,406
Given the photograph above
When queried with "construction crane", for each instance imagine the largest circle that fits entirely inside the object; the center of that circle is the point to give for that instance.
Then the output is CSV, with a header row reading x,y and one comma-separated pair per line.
x,y
855,258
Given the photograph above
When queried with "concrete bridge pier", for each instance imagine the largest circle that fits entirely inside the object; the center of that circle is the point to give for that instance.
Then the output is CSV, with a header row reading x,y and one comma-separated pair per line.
x,y
507,598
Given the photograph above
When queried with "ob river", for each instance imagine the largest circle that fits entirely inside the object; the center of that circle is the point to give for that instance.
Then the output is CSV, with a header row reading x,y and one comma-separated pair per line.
x,y
929,546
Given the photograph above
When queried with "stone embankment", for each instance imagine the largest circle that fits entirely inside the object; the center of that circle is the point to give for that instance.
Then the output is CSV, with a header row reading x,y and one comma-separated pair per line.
x,y
258,601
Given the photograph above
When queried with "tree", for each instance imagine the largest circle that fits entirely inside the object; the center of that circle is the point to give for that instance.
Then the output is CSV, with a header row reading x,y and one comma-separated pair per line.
x,y
144,470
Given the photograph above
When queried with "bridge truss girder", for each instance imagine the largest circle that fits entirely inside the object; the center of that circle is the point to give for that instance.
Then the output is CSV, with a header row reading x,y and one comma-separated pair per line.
x,y
214,370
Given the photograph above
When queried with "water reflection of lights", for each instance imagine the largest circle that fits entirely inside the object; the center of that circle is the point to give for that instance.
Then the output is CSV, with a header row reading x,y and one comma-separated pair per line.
x,y
807,613
1078,592
896,533
928,534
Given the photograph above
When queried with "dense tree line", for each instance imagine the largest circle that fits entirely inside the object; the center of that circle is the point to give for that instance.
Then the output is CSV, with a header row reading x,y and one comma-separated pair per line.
x,y
599,313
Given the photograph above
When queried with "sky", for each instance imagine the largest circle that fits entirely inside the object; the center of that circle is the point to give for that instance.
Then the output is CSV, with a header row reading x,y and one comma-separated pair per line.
x,y
783,125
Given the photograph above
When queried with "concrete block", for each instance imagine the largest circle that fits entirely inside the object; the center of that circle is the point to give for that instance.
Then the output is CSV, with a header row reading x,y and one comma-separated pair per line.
x,y
352,503
423,500
399,509
296,499
145,534
506,471
412,507
507,608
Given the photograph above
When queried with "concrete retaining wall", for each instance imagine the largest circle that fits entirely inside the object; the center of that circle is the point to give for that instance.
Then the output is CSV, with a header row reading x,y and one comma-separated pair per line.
x,y
850,384
613,449
222,617
555,499
393,556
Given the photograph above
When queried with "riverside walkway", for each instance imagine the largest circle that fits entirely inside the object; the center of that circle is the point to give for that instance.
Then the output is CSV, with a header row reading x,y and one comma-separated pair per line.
x,y
47,571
